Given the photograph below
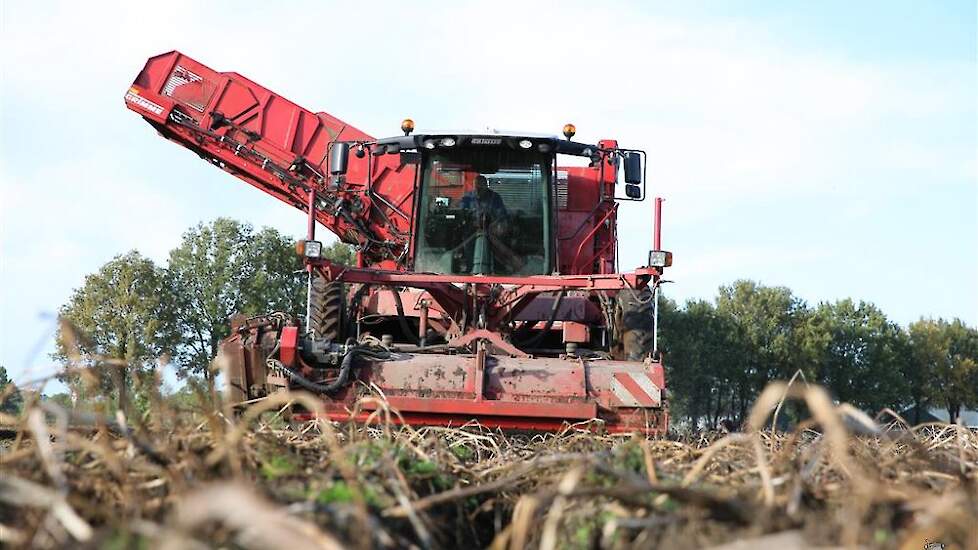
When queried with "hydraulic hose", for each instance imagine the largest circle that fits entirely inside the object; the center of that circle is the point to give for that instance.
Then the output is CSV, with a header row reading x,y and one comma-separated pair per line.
x,y
546,328
354,306
346,367
405,328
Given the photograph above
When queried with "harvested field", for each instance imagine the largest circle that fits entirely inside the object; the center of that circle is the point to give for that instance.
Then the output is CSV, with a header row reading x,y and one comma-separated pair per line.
x,y
208,478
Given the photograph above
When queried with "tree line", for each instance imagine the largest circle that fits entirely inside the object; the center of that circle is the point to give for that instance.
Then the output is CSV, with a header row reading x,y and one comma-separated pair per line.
x,y
719,354
132,314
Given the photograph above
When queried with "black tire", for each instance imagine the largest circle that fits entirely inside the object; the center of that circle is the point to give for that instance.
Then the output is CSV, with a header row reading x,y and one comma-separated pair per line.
x,y
328,309
635,323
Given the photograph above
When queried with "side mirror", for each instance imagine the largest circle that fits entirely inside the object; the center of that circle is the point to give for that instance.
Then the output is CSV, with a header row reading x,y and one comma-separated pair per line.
x,y
339,157
633,168
633,191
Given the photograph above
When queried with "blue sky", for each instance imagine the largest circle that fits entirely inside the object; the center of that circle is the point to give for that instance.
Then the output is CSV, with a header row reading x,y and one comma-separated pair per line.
x,y
826,146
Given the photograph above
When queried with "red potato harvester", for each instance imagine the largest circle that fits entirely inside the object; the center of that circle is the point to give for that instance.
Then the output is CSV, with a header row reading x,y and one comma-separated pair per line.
x,y
486,285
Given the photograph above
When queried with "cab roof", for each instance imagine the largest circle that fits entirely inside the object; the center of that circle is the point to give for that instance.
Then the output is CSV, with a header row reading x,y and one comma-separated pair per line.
x,y
447,140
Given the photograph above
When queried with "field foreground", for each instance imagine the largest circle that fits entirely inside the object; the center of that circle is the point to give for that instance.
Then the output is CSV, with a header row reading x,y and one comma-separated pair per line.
x,y
195,479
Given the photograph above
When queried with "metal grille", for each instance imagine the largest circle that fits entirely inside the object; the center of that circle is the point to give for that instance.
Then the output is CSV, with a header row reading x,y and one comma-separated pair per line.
x,y
562,190
518,188
179,77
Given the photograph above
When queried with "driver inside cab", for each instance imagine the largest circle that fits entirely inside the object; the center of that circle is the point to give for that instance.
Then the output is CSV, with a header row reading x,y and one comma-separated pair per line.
x,y
488,250
487,205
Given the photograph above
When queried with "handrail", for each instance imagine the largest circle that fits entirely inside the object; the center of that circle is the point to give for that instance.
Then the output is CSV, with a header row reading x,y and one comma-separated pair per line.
x,y
580,247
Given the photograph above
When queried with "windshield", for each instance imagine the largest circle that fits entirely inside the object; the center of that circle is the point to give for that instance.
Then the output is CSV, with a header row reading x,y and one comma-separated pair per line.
x,y
484,211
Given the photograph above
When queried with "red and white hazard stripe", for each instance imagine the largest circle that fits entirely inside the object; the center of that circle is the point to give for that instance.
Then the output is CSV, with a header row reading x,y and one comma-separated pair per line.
x,y
636,390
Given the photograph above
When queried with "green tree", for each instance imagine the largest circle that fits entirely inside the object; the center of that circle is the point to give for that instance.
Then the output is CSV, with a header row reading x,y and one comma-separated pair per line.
x,y
927,345
946,355
116,323
341,253
703,361
765,321
11,400
221,269
958,383
858,354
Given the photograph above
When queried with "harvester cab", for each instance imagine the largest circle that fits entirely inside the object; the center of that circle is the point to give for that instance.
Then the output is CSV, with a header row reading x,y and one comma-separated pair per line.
x,y
486,203
487,284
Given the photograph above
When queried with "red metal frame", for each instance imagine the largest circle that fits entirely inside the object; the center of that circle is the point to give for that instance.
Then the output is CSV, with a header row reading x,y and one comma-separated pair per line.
x,y
288,344
653,424
446,291
278,147
657,234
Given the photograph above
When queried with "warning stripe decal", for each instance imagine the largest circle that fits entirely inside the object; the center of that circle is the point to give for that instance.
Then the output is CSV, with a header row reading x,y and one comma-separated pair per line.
x,y
636,390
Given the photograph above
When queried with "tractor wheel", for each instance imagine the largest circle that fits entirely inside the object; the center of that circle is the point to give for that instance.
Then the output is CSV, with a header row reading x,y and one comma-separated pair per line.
x,y
635,323
328,308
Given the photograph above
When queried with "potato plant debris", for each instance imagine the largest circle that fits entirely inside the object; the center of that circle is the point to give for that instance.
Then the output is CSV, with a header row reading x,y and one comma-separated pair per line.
x,y
208,477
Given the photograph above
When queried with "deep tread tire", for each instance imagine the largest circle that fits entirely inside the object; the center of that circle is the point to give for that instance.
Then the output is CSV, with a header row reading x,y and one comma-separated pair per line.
x,y
328,309
635,323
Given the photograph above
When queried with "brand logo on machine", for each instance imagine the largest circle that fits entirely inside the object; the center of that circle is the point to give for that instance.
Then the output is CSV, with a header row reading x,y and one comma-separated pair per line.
x,y
134,98
486,141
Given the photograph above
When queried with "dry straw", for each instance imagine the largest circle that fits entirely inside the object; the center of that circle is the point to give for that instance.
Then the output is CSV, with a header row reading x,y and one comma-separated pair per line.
x,y
213,476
